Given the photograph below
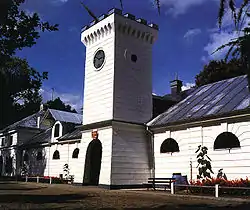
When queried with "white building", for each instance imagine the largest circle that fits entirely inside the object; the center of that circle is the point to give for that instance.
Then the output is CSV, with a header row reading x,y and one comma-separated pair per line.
x,y
120,143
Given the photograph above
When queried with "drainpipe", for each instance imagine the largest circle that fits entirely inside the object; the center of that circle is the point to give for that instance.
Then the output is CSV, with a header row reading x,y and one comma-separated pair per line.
x,y
153,152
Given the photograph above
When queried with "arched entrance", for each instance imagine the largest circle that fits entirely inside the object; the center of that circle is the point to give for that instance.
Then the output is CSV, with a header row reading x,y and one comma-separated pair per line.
x,y
93,163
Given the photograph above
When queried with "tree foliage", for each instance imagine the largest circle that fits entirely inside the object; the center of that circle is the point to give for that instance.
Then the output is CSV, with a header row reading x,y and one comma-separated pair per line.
x,y
240,46
19,90
59,105
19,83
218,70
19,29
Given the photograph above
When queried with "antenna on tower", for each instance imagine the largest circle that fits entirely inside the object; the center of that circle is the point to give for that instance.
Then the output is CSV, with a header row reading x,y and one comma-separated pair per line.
x,y
52,94
176,75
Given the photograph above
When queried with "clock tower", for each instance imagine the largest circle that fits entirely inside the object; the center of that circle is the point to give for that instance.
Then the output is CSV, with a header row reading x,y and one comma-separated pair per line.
x,y
117,99
118,81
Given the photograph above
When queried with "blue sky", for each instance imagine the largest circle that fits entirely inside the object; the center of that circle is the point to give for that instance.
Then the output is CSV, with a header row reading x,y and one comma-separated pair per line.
x,y
188,35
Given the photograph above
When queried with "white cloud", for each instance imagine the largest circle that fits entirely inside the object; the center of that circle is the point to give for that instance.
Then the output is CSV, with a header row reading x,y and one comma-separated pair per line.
x,y
187,86
218,38
73,99
191,33
178,7
58,2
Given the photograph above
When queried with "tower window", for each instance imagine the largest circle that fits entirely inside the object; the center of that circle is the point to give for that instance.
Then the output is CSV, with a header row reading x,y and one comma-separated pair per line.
x,y
56,131
169,146
226,140
134,58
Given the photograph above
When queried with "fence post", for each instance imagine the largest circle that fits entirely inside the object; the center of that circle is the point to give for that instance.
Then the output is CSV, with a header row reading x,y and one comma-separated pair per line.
x,y
37,179
26,178
216,190
172,187
50,180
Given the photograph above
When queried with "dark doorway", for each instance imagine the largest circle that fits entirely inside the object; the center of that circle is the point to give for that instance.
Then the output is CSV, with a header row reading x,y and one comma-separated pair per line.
x,y
93,163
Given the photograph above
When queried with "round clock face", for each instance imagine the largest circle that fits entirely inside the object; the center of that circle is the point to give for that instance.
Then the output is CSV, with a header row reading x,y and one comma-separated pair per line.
x,y
99,59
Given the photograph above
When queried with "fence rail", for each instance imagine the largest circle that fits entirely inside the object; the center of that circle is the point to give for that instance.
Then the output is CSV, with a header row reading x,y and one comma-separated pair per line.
x,y
37,179
215,187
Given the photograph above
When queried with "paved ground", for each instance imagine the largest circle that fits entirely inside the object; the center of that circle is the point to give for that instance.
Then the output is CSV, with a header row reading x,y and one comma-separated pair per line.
x,y
43,196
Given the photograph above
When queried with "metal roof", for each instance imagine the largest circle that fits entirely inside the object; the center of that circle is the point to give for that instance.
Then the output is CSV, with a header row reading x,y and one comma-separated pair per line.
x,y
209,100
76,134
28,122
63,116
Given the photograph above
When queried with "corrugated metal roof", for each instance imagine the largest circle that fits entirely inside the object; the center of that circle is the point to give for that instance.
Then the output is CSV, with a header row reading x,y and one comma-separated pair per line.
x,y
28,122
213,99
76,134
66,116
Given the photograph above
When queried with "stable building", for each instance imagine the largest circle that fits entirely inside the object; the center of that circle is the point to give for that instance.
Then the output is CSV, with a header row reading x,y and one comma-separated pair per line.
x,y
126,134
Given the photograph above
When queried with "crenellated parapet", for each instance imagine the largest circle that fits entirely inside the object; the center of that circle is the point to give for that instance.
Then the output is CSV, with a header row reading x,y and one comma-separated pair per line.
x,y
126,24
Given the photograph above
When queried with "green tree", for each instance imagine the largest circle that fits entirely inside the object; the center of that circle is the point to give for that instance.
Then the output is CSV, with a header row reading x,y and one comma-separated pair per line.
x,y
219,70
59,105
18,29
240,46
19,90
19,83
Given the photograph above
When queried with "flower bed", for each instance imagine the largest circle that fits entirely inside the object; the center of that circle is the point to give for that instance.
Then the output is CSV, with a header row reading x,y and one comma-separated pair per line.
x,y
229,187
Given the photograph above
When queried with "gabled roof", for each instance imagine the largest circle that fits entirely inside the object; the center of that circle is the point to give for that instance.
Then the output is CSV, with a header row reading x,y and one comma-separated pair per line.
x,y
57,115
214,99
27,122
68,117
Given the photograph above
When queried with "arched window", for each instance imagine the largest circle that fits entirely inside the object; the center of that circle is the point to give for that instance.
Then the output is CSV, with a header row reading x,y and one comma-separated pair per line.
x,y
75,153
226,140
169,146
26,157
56,155
56,131
39,155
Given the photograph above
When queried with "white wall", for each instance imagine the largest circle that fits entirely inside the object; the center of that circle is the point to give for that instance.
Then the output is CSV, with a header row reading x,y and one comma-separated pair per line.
x,y
76,166
105,136
130,155
235,164
98,85
133,80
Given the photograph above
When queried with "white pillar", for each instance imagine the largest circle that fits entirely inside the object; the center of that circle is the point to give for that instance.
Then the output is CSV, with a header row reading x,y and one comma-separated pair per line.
x,y
172,187
26,178
50,180
37,179
216,190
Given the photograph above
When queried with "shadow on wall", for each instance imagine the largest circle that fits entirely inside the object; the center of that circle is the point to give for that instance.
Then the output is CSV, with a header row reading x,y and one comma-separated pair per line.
x,y
150,150
33,162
